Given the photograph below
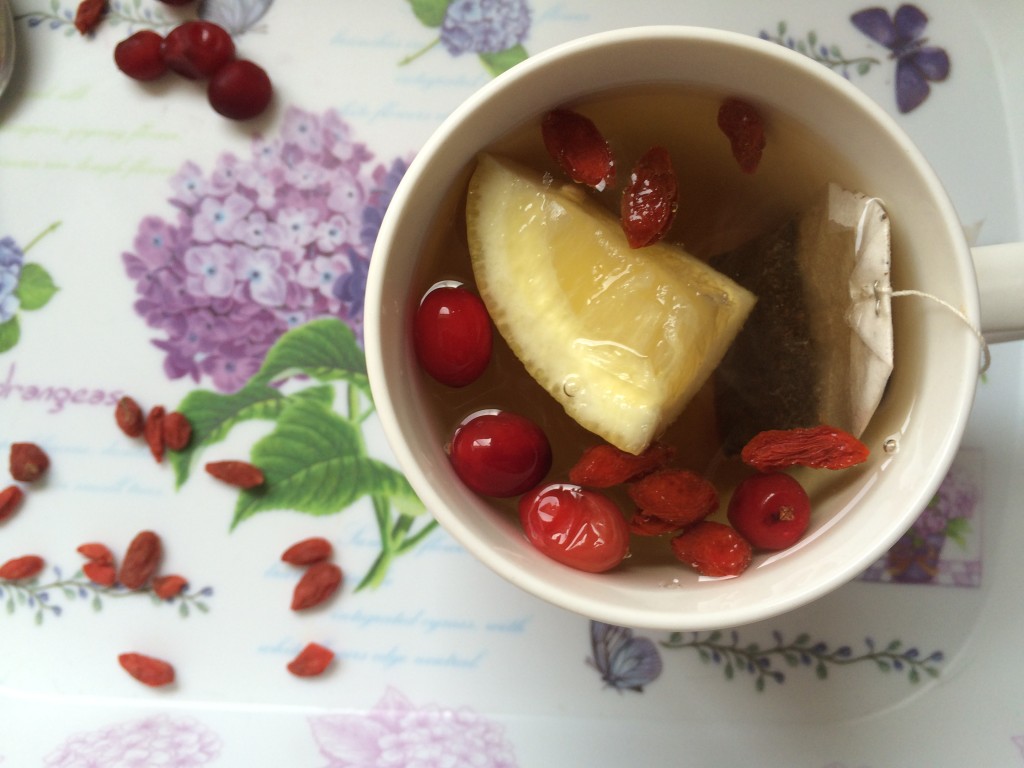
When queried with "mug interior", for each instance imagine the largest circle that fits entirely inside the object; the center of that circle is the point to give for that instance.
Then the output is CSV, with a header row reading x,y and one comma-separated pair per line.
x,y
929,394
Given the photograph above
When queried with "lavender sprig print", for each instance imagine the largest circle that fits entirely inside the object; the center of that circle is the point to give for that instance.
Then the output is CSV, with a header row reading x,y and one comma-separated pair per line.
x,y
726,650
36,595
812,46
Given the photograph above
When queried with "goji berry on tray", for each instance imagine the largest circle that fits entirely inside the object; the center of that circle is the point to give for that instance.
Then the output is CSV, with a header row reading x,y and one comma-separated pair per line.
x,y
675,495
28,462
177,431
171,585
96,552
89,14
103,574
821,447
129,417
19,568
10,499
317,584
141,560
604,465
308,551
146,669
312,660
153,431
240,474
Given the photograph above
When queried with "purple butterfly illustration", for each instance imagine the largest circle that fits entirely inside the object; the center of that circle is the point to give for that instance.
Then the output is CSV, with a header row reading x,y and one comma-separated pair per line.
x,y
623,660
917,64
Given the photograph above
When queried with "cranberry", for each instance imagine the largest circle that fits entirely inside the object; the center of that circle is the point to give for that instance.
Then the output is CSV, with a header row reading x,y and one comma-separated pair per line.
x,y
498,453
452,335
140,57
578,527
198,49
240,90
771,511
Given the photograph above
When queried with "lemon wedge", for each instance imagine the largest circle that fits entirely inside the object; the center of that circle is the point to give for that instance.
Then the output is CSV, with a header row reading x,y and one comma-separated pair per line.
x,y
621,338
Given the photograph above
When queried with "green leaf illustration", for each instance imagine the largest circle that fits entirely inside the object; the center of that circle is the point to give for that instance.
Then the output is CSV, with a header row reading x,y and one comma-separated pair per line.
x,y
10,332
957,530
324,349
315,462
35,288
213,414
429,12
496,63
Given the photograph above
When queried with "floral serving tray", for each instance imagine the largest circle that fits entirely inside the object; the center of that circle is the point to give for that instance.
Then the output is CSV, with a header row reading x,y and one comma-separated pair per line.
x,y
149,247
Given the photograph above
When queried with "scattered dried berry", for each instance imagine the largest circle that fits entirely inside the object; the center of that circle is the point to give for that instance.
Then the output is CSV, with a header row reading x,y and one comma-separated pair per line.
x,y
771,511
28,462
452,336
821,447
153,431
649,200
103,574
139,56
317,584
675,495
308,551
10,499
141,560
501,454
713,549
89,14
575,143
240,90
166,587
128,415
177,431
19,568
146,669
240,474
197,49
604,466
311,661
96,552
744,127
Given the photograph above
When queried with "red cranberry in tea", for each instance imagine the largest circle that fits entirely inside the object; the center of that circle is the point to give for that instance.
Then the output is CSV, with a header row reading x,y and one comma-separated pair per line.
x,y
198,49
240,90
139,56
498,453
771,511
578,527
452,335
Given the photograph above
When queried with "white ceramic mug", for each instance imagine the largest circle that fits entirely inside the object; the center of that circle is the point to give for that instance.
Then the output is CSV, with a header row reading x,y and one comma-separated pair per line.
x,y
915,433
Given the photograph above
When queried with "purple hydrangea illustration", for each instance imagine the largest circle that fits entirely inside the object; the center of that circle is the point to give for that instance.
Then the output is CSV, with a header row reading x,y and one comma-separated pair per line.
x,y
484,26
259,246
171,742
11,260
395,733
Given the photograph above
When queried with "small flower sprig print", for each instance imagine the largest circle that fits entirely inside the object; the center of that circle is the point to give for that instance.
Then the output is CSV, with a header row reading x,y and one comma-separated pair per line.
x,y
727,651
36,595
829,55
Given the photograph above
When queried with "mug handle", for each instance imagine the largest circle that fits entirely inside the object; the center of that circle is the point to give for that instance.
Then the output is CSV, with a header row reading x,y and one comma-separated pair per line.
x,y
1000,271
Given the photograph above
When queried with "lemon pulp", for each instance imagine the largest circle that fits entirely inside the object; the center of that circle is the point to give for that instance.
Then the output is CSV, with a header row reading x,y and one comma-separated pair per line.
x,y
621,338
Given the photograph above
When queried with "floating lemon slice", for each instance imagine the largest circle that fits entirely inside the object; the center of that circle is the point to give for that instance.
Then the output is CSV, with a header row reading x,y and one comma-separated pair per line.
x,y
622,338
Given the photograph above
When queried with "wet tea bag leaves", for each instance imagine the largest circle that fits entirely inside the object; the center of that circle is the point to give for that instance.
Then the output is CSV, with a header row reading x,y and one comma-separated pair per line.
x,y
817,348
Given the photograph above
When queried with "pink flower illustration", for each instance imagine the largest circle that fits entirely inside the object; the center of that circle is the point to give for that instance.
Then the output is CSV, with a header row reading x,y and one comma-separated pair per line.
x,y
397,734
170,742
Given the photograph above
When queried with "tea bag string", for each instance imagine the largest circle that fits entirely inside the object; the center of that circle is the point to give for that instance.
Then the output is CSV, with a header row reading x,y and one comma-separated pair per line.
x,y
985,352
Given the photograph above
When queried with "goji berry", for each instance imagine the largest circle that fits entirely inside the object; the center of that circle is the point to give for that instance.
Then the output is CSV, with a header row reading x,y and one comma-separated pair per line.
x,y
821,447
10,499
177,431
140,560
675,495
19,568
166,587
649,525
129,418
103,574
28,462
649,200
308,551
146,669
603,465
89,14
240,474
153,431
317,584
713,549
744,127
96,552
311,661
575,143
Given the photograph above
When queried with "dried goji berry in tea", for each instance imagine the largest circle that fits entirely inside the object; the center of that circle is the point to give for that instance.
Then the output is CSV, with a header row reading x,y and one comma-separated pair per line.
x,y
129,418
141,560
821,447
240,474
19,568
28,462
153,431
146,669
604,465
675,495
649,525
311,661
575,143
177,431
649,200
713,549
744,127
316,585
10,499
166,587
308,551
88,15
96,552
103,574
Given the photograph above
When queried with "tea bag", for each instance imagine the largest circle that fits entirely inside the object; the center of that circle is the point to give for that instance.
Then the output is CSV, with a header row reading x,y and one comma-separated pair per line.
x,y
817,348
